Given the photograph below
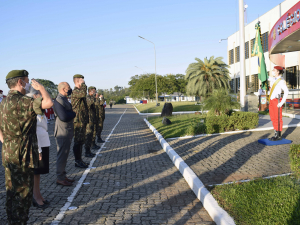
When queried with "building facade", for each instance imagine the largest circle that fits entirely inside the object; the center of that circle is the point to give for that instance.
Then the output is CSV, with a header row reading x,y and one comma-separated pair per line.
x,y
267,21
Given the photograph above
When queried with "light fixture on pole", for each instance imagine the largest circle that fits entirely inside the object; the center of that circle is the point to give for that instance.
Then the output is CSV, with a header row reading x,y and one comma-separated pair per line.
x,y
156,99
222,40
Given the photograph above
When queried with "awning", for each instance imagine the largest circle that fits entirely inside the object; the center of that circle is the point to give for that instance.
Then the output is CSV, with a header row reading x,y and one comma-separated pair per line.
x,y
285,35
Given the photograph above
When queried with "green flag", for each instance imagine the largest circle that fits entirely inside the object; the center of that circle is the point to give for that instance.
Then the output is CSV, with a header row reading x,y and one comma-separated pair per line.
x,y
258,51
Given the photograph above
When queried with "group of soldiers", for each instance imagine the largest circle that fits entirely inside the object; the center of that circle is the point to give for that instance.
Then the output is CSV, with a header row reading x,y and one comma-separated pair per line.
x,y
88,123
18,123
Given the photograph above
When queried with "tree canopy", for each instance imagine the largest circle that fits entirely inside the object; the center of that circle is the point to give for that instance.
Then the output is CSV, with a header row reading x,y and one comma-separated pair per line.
x,y
49,86
144,85
205,76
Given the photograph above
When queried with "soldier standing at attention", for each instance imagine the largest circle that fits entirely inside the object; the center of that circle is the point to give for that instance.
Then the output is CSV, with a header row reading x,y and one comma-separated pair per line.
x,y
90,99
101,119
20,155
96,124
79,105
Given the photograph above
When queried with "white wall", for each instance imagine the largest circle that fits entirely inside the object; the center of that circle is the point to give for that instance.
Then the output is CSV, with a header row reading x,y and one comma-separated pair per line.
x,y
267,21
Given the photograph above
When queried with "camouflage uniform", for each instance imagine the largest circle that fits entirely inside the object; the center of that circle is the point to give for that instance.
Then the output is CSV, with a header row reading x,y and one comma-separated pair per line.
x,y
92,117
19,152
96,125
101,118
79,105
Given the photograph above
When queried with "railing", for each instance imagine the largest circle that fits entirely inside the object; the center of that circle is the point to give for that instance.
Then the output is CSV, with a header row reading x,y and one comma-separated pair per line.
x,y
292,100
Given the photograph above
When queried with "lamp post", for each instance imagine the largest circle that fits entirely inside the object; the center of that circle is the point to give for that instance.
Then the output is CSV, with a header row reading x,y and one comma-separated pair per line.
x,y
156,99
242,55
222,40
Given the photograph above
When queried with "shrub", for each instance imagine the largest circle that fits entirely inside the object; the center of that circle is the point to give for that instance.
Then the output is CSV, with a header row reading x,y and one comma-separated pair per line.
x,y
196,127
295,159
236,121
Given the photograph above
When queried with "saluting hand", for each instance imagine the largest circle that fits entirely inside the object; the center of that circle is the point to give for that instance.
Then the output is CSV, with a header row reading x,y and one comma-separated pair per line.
x,y
36,85
40,156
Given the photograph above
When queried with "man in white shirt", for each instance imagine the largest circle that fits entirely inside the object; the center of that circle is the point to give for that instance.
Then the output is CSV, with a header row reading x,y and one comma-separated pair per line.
x,y
261,91
275,108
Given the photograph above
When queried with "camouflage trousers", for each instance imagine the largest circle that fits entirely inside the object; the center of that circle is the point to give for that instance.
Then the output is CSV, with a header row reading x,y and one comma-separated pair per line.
x,y
79,132
96,127
89,134
100,126
19,192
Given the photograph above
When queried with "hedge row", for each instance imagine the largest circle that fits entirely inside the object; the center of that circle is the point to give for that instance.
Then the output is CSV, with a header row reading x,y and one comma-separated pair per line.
x,y
295,159
236,121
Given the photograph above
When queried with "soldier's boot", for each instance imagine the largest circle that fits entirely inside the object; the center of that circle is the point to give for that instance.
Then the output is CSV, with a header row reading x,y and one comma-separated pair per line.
x,y
88,152
276,136
94,146
77,149
81,155
99,139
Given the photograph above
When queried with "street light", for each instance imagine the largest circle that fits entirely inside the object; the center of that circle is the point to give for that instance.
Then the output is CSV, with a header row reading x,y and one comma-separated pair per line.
x,y
222,40
156,99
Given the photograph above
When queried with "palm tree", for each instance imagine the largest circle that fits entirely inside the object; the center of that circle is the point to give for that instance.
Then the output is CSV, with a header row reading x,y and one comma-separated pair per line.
x,y
205,76
221,102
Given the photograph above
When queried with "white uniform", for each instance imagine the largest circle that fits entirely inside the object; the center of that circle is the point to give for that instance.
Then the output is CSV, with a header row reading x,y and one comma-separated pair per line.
x,y
277,90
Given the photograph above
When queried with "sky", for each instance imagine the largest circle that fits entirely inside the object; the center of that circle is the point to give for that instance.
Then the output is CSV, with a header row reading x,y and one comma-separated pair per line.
x,y
56,39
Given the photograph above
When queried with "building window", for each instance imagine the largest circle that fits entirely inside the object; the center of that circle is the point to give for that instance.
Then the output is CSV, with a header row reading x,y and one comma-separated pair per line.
x,y
291,77
247,83
237,54
231,57
231,83
237,80
254,79
251,45
265,43
247,50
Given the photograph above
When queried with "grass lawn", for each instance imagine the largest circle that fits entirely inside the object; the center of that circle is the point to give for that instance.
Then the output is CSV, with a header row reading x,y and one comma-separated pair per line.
x,y
261,201
177,107
179,126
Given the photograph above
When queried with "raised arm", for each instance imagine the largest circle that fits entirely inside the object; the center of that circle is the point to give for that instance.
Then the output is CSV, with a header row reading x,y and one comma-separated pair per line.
x,y
47,101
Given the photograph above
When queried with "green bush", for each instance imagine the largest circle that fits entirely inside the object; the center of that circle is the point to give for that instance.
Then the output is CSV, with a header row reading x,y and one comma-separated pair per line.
x,y
196,127
295,159
236,121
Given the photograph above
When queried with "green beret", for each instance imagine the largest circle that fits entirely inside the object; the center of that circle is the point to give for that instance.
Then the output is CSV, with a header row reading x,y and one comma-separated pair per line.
x,y
91,87
17,73
78,76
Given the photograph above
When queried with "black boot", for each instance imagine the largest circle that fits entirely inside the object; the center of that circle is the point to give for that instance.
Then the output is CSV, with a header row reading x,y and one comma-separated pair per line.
x,y
279,136
87,164
99,140
94,146
88,152
275,137
80,164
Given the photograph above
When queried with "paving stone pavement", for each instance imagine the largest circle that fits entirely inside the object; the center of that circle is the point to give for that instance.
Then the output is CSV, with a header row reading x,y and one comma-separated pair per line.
x,y
134,182
233,157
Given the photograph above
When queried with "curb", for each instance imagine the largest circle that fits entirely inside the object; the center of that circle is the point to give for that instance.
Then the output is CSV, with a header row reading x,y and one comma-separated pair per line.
x,y
234,132
291,115
219,215
175,113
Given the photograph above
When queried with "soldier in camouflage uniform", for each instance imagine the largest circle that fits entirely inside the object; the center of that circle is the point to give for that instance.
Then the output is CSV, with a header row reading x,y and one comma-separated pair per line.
x,y
20,155
96,124
90,99
79,105
101,119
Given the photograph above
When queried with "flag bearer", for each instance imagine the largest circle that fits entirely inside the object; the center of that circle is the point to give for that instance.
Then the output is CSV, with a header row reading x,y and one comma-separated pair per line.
x,y
275,105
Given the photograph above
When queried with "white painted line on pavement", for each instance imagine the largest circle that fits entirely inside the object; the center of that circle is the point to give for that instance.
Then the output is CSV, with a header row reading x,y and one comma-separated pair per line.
x,y
242,181
219,215
63,210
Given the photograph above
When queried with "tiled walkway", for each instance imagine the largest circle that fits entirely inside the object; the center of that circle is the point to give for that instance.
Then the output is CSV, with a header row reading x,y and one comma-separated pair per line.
x,y
134,182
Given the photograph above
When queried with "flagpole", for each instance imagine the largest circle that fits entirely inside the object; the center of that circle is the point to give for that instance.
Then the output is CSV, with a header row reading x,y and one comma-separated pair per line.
x,y
242,55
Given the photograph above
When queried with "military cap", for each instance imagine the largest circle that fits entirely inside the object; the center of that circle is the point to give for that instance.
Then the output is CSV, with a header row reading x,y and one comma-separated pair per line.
x,y
278,67
78,76
1,91
17,73
91,87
